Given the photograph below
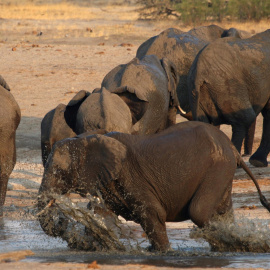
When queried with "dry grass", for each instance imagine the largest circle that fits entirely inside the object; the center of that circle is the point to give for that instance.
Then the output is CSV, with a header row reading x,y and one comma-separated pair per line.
x,y
64,11
48,10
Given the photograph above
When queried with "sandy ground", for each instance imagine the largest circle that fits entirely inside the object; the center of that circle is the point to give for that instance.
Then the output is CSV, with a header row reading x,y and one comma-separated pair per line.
x,y
48,53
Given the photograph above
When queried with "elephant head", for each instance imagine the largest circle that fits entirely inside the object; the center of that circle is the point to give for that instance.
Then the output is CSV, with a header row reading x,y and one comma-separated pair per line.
x,y
81,165
104,110
234,32
148,88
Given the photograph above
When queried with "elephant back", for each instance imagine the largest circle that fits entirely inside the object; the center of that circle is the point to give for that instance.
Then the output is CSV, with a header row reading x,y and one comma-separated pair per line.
x,y
10,107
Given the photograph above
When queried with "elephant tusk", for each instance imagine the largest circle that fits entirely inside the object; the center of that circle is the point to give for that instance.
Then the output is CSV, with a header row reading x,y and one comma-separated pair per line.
x,y
181,110
51,202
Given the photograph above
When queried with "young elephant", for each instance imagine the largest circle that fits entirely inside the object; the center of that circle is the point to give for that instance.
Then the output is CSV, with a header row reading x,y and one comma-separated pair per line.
x,y
184,172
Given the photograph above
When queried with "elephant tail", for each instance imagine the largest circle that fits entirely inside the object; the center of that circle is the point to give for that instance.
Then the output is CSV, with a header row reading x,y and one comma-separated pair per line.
x,y
241,163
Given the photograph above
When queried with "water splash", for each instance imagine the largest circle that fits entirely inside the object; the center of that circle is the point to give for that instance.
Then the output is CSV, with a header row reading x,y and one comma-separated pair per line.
x,y
244,235
89,229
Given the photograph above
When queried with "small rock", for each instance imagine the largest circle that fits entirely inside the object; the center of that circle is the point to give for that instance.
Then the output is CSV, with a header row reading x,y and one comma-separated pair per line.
x,y
126,45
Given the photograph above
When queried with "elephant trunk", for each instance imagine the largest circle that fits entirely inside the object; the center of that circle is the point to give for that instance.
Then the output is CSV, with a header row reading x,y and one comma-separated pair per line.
x,y
51,219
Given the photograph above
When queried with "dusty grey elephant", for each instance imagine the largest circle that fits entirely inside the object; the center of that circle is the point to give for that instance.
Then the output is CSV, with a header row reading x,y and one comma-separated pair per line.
x,y
183,172
229,84
137,97
181,48
9,121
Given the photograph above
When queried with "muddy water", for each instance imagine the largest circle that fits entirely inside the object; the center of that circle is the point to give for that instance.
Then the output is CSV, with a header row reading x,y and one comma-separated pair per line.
x,y
21,235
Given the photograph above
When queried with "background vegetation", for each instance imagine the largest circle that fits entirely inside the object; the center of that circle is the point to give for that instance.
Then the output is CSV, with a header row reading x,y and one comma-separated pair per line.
x,y
199,11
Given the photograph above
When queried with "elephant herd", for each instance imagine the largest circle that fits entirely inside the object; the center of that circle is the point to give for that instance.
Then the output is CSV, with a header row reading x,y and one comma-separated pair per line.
x,y
122,139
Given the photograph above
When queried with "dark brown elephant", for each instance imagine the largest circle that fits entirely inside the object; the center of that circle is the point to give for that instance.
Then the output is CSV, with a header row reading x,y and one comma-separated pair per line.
x,y
184,172
181,48
10,116
229,84
137,97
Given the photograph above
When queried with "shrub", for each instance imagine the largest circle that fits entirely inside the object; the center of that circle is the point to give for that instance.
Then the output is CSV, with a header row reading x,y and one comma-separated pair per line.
x,y
198,11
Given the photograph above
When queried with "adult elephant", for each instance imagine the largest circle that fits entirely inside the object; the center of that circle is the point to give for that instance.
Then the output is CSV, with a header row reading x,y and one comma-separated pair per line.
x,y
181,48
10,118
229,84
186,172
137,97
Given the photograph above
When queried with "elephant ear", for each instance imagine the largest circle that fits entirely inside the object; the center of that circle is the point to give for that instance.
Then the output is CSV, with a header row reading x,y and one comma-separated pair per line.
x,y
173,79
3,83
72,108
53,129
106,155
136,102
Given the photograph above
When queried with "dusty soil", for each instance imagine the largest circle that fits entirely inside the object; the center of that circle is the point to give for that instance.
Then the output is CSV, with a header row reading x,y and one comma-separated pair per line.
x,y
52,49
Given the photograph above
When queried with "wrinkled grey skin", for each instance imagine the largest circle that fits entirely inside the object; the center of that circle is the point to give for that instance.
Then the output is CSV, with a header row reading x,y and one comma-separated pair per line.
x,y
119,165
181,48
10,116
137,97
229,83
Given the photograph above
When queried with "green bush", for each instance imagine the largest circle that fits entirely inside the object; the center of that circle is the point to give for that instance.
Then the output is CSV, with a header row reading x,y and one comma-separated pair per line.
x,y
198,11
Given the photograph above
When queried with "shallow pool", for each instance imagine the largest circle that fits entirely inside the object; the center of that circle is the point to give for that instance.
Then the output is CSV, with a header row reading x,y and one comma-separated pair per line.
x,y
27,234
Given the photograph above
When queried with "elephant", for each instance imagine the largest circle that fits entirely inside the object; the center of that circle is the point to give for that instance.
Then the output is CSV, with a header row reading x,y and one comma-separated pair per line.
x,y
10,119
229,84
181,48
137,97
183,172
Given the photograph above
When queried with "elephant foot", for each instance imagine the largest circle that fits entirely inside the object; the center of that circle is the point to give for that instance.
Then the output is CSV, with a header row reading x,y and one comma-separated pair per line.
x,y
159,250
257,162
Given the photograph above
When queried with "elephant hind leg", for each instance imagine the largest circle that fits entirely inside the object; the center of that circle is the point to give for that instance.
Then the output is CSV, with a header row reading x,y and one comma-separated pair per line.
x,y
249,138
213,198
259,158
241,123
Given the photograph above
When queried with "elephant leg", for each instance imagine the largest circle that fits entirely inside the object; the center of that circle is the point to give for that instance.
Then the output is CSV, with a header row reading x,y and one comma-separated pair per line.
x,y
238,135
213,197
249,138
241,122
3,191
7,162
153,223
259,158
